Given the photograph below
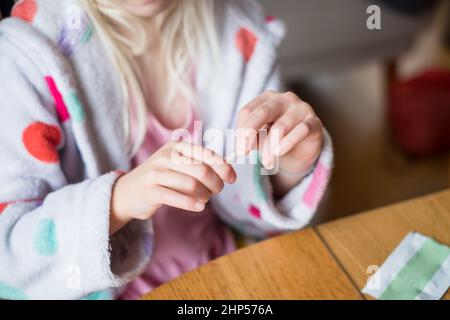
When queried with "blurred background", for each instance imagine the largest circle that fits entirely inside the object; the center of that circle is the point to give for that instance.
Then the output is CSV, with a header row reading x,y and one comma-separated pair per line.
x,y
384,95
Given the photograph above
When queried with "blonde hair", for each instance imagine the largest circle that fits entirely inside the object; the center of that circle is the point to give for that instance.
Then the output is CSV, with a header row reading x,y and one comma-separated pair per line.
x,y
185,27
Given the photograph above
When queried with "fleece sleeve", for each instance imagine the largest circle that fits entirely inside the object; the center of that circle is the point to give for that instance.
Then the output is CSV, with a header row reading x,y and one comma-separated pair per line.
x,y
54,236
249,205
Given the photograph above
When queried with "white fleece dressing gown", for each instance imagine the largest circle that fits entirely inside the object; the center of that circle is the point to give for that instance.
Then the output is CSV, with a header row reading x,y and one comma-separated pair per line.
x,y
62,145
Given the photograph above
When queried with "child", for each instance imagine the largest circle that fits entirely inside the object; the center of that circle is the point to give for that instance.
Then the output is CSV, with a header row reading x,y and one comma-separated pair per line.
x,y
95,193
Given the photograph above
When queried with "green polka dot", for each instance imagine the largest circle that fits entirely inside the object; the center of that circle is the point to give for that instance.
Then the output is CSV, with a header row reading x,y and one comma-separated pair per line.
x,y
9,293
74,107
257,178
99,295
88,34
45,242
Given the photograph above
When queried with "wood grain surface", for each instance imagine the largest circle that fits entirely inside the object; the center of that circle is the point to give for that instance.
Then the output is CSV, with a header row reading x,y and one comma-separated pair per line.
x,y
327,262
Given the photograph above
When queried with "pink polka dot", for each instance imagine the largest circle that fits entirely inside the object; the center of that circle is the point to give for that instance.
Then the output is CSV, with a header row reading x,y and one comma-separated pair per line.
x,y
246,43
254,211
270,19
316,189
61,108
42,140
25,10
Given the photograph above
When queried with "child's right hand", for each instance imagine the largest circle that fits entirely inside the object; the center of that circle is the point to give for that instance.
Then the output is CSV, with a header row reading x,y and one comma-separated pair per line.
x,y
179,175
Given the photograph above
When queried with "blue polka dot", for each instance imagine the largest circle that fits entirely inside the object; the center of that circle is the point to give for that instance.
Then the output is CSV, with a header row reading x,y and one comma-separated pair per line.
x,y
9,293
99,295
74,107
88,34
45,242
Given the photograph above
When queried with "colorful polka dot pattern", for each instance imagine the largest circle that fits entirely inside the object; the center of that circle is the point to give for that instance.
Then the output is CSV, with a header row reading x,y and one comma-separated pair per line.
x,y
72,36
42,140
45,240
87,35
246,43
254,211
63,114
9,293
74,106
99,295
3,207
257,179
67,107
317,186
25,10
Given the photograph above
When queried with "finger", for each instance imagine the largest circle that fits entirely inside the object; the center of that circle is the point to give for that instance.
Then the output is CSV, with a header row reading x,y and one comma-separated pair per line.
x,y
200,171
183,183
311,127
260,117
263,146
283,126
245,112
203,155
176,199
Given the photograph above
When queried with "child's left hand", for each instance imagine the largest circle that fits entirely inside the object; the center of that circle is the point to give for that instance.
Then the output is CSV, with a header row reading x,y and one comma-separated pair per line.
x,y
295,132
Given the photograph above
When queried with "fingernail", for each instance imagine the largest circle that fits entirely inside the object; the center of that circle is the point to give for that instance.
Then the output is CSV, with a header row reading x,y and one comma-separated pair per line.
x,y
283,148
270,164
266,162
276,151
199,206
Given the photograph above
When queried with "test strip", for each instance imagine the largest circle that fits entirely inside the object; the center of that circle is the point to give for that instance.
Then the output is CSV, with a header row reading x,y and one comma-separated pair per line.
x,y
418,268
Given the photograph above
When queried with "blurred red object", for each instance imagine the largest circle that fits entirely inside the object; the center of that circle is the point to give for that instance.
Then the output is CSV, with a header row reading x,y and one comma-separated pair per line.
x,y
420,113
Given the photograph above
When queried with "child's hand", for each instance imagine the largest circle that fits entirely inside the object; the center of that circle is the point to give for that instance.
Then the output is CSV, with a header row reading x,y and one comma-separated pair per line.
x,y
295,132
179,175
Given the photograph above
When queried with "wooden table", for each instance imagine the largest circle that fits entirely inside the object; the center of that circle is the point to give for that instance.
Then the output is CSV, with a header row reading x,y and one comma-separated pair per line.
x,y
325,262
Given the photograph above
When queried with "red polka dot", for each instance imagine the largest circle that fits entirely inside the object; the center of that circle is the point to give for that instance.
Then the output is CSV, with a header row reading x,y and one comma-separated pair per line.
x,y
254,211
42,140
3,207
246,43
270,19
25,10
